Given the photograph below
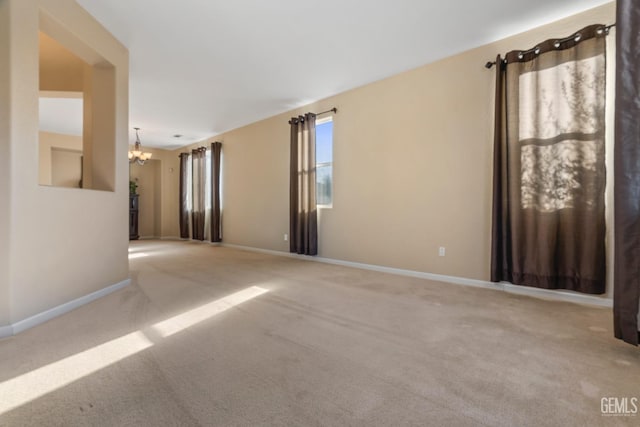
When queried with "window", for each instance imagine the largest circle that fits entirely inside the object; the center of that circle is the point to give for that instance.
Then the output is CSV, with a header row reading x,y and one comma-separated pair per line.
x,y
324,162
207,188
551,166
207,185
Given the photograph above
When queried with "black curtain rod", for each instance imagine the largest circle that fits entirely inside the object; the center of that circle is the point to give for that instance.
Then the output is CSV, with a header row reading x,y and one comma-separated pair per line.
x,y
205,147
334,109
301,118
490,64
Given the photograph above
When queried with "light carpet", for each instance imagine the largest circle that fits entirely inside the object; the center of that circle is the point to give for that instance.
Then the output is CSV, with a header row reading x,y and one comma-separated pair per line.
x,y
216,336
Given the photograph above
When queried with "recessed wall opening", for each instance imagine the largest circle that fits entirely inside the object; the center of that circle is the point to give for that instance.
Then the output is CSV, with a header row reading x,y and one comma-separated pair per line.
x,y
77,112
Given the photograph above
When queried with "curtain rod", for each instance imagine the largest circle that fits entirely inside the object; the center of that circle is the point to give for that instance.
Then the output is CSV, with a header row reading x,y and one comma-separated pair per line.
x,y
199,148
490,64
301,118
334,109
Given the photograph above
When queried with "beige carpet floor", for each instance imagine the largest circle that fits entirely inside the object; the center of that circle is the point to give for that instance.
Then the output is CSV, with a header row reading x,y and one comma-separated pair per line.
x,y
216,336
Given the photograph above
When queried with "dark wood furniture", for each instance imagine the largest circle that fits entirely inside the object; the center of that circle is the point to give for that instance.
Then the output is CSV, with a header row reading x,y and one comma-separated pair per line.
x,y
133,217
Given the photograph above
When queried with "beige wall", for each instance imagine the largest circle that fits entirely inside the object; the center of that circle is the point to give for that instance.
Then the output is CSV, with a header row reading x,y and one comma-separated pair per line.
x,y
164,173
47,141
66,168
170,182
63,243
59,70
5,166
99,104
148,179
412,166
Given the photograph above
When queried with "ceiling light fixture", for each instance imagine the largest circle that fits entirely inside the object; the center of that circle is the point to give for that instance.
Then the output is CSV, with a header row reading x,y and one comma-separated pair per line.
x,y
137,155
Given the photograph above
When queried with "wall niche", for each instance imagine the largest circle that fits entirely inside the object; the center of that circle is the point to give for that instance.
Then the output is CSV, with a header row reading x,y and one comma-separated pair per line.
x,y
76,112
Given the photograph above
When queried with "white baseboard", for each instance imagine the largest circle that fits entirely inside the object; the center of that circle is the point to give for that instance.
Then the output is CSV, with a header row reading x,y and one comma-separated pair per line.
x,y
557,295
548,294
30,322
6,331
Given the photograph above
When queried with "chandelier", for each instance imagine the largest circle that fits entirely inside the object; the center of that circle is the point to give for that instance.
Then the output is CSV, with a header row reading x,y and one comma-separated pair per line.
x,y
137,155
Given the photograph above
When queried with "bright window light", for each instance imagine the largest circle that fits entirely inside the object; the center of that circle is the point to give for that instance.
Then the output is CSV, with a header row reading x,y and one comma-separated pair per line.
x,y
324,162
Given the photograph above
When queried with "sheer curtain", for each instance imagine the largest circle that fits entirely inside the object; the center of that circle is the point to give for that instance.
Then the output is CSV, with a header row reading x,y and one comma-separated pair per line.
x,y
303,222
549,165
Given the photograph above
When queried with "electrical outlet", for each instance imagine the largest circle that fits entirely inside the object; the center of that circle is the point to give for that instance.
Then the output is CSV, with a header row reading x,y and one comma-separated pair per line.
x,y
441,251
286,237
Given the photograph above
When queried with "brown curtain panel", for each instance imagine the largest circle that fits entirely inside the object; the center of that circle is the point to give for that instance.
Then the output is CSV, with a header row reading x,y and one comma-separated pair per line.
x,y
216,219
184,212
549,165
198,173
303,223
627,174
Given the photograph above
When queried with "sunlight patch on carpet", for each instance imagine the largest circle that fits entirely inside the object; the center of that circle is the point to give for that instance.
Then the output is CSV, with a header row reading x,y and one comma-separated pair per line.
x,y
182,321
138,255
32,385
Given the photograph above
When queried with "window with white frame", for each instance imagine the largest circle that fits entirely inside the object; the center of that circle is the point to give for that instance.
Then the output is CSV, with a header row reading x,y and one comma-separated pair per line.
x,y
207,188
324,162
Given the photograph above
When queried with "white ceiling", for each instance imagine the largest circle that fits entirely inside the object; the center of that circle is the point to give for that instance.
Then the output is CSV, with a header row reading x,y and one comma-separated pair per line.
x,y
202,67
